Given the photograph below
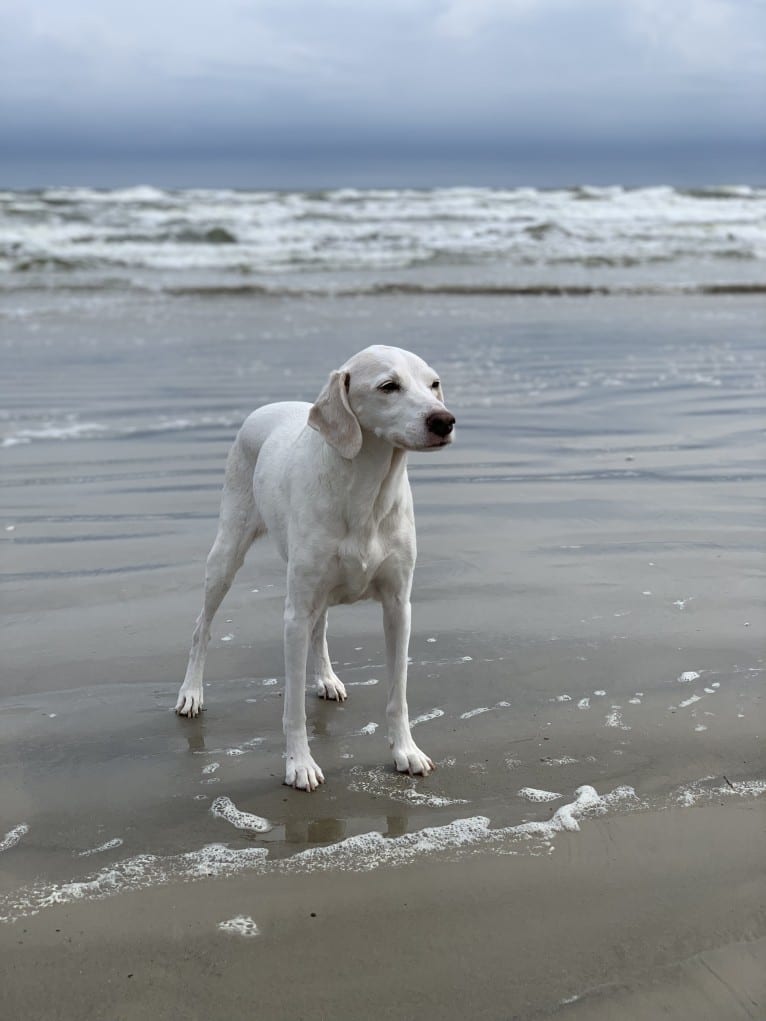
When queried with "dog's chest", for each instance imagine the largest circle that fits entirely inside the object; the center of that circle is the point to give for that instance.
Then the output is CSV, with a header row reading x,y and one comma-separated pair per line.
x,y
359,558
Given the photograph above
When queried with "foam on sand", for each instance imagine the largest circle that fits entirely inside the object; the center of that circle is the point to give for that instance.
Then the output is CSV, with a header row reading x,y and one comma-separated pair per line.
x,y
533,794
689,701
12,837
362,853
432,715
224,808
382,783
109,845
710,788
240,925
484,709
137,873
616,719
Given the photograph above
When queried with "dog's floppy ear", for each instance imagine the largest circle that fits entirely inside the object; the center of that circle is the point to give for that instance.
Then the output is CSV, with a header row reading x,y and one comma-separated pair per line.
x,y
332,416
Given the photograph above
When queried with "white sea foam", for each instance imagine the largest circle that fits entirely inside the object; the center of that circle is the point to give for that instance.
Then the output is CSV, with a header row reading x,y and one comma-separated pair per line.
x,y
360,853
221,231
369,728
430,800
108,846
689,701
65,431
70,429
362,684
12,837
240,925
688,676
137,873
382,783
484,709
533,794
615,719
224,808
434,714
710,788
236,750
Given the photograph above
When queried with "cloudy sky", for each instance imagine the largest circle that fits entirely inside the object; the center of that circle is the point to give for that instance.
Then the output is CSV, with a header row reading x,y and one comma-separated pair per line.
x,y
413,77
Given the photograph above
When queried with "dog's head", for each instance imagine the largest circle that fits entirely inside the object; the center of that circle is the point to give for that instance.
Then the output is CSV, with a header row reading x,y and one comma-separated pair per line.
x,y
388,392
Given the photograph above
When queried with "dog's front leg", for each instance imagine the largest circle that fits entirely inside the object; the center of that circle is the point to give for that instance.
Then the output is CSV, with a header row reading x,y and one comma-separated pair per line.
x,y
396,624
300,769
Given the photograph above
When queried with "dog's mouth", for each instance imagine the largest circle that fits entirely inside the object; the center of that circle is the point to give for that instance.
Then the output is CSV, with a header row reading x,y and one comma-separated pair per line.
x,y
432,443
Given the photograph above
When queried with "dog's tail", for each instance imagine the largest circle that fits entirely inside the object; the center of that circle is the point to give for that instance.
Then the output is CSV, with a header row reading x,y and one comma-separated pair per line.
x,y
239,516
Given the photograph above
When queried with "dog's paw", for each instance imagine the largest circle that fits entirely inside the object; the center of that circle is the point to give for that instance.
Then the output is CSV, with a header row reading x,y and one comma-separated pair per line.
x,y
331,688
408,758
303,773
189,702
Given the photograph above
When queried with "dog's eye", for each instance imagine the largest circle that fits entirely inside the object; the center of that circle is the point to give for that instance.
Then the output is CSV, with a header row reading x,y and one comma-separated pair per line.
x,y
435,385
390,387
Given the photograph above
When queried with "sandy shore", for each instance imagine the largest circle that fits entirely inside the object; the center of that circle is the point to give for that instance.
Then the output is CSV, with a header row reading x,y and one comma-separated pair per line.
x,y
638,917
588,613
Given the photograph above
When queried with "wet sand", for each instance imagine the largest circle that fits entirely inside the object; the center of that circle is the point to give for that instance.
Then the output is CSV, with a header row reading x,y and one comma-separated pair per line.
x,y
592,537
635,917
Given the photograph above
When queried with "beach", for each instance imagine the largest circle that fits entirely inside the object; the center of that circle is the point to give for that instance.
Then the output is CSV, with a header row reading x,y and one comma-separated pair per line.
x,y
587,651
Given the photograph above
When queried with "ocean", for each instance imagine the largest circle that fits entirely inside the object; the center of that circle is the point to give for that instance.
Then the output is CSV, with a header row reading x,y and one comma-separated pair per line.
x,y
350,241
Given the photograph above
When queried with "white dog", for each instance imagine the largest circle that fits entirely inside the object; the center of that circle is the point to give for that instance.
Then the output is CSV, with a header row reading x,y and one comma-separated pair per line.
x,y
329,483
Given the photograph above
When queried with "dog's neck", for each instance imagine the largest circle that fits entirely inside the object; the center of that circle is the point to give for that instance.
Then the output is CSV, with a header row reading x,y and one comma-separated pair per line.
x,y
373,481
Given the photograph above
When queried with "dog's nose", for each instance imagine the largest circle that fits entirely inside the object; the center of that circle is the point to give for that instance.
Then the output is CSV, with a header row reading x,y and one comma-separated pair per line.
x,y
440,423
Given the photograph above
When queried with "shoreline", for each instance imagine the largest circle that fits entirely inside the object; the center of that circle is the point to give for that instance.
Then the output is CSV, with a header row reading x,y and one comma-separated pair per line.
x,y
450,933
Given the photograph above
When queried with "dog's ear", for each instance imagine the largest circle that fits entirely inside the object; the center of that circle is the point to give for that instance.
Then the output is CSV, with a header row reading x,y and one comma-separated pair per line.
x,y
332,416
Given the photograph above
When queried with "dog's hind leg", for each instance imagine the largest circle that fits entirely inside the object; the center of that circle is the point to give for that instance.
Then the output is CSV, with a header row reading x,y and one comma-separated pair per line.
x,y
328,685
239,525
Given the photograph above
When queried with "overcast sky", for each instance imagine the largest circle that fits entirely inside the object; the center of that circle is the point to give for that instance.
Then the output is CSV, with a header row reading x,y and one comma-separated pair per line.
x,y
270,76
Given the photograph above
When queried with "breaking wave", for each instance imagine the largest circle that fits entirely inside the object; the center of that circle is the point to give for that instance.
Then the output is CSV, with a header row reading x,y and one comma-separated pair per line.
x,y
446,240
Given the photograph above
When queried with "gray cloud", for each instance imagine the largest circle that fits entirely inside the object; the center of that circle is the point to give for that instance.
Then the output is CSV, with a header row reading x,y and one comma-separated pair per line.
x,y
258,74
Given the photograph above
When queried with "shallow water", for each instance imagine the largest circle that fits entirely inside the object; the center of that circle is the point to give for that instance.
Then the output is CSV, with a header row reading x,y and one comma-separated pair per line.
x,y
592,536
